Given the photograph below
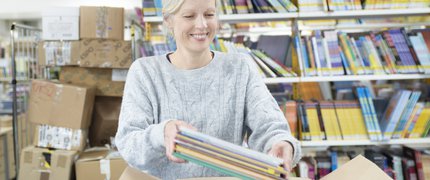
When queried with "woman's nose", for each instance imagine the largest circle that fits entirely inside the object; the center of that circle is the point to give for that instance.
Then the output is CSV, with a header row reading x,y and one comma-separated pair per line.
x,y
201,22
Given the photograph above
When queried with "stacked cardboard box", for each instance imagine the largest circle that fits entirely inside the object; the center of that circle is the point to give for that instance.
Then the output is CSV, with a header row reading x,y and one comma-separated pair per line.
x,y
105,120
62,113
41,163
99,165
66,113
7,161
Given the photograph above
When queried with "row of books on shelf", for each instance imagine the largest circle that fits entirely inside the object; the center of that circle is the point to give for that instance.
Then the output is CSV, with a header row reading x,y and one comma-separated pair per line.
x,y
344,5
153,7
330,53
398,163
386,52
366,118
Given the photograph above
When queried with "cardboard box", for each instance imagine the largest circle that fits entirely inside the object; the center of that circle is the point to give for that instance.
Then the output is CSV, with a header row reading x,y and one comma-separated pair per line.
x,y
102,22
105,53
99,165
61,23
358,168
60,138
5,121
44,164
7,159
105,120
100,78
58,53
61,105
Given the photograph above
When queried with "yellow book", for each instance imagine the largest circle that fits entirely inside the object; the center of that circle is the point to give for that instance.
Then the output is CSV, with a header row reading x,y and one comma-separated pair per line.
x,y
412,120
359,121
314,125
222,45
421,123
343,118
330,121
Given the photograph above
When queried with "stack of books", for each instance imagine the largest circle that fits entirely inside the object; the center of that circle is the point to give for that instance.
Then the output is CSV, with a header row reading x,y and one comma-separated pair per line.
x,y
226,157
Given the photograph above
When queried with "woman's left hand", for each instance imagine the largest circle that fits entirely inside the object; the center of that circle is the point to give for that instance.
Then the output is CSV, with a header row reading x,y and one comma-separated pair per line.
x,y
283,150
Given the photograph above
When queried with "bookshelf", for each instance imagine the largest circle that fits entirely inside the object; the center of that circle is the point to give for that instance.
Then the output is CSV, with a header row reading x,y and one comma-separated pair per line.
x,y
346,78
363,13
420,141
231,18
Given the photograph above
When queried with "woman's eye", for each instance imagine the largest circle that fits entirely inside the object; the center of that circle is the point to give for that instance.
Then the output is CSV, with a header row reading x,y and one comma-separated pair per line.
x,y
210,15
188,16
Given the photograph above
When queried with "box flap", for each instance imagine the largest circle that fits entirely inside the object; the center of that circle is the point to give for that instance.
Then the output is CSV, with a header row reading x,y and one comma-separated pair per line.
x,y
98,153
358,168
132,173
93,155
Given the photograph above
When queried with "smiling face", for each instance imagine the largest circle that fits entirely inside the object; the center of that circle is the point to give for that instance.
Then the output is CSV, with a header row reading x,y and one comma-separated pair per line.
x,y
194,25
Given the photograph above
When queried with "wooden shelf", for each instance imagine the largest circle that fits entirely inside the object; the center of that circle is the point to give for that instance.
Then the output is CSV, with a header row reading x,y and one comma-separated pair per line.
x,y
346,78
419,141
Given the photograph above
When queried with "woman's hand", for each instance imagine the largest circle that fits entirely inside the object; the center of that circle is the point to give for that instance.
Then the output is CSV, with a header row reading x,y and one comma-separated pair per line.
x,y
170,131
283,150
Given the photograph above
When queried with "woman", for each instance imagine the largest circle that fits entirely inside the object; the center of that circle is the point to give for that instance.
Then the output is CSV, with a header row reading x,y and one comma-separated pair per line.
x,y
219,94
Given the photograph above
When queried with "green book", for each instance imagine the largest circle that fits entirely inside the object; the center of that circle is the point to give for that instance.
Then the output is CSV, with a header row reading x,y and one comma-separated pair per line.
x,y
212,166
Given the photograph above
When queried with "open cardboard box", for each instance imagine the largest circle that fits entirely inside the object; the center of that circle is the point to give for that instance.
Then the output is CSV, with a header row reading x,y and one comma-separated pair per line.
x,y
358,168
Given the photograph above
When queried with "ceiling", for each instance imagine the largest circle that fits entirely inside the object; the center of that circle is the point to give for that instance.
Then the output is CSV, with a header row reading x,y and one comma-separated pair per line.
x,y
32,9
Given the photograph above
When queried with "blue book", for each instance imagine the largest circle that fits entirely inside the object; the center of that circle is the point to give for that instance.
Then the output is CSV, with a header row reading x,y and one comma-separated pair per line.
x,y
406,114
373,113
366,113
158,7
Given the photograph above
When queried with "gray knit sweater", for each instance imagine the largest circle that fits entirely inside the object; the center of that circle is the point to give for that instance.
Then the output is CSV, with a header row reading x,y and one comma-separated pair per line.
x,y
222,99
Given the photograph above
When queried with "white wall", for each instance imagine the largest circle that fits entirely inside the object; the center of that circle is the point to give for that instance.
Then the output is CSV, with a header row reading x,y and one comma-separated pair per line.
x,y
4,31
32,9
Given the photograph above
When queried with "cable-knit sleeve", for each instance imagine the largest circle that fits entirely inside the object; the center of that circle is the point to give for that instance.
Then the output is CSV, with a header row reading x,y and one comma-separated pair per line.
x,y
264,117
140,140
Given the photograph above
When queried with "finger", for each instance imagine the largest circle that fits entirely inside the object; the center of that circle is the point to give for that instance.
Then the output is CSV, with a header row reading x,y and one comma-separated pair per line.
x,y
192,127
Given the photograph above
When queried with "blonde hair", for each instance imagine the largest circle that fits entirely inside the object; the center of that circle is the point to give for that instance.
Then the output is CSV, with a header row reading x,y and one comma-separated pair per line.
x,y
171,7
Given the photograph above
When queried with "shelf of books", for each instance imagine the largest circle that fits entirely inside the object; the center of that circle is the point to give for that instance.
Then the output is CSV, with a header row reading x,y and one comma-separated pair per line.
x,y
231,18
346,78
252,17
354,26
363,13
420,141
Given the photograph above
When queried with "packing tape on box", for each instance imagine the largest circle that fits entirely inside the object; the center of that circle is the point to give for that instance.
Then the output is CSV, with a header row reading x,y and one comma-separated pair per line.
x,y
105,168
58,137
101,22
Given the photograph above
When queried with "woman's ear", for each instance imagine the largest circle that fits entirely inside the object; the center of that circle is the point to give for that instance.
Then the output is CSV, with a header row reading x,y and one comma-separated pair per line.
x,y
168,21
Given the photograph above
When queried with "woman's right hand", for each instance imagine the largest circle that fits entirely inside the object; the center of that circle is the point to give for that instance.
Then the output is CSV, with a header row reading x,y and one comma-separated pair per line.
x,y
170,131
